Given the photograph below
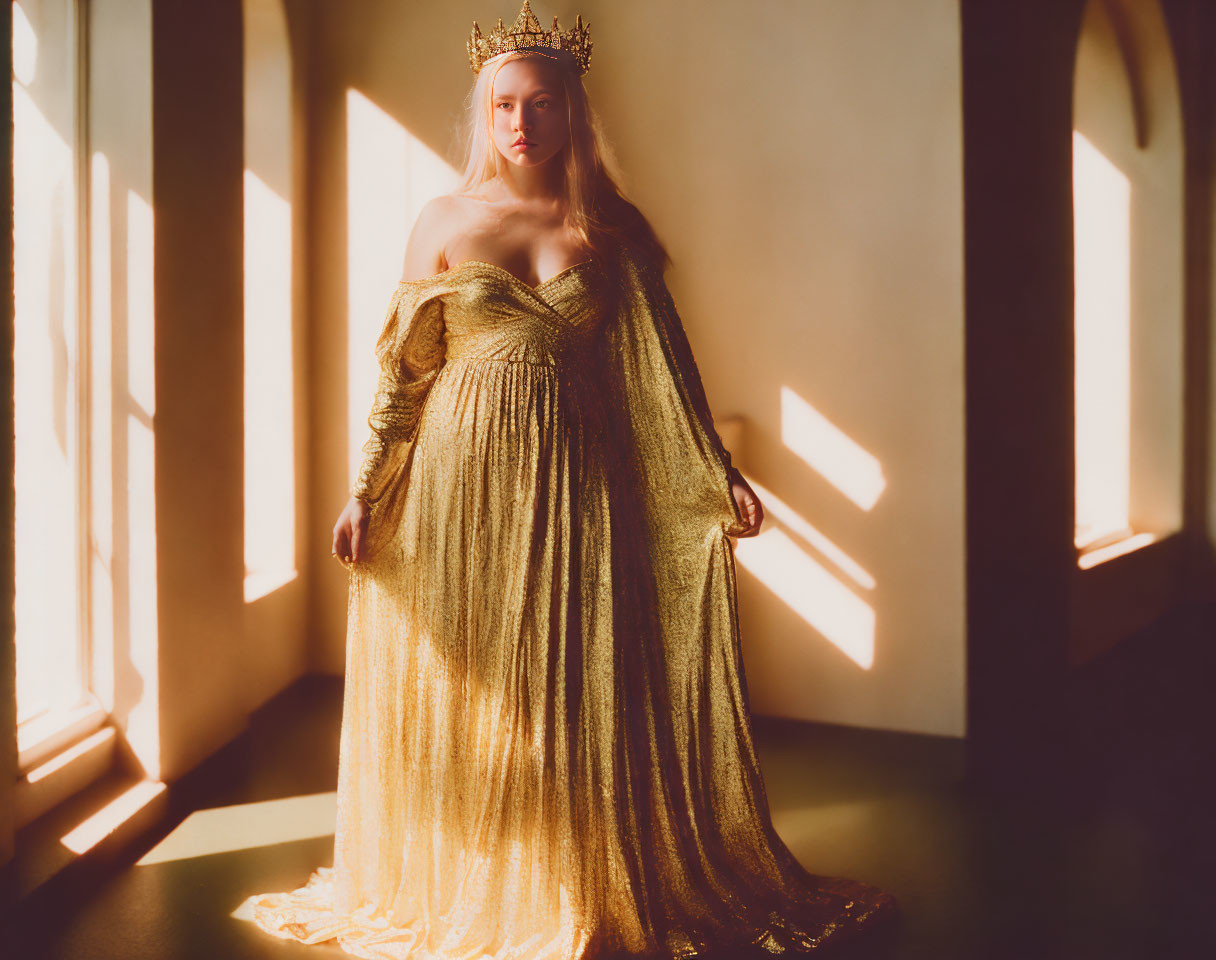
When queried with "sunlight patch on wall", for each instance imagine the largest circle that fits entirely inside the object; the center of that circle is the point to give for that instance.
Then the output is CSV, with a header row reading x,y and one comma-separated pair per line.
x,y
777,509
269,415
143,728
390,174
270,503
25,47
829,451
246,826
101,435
812,592
1102,240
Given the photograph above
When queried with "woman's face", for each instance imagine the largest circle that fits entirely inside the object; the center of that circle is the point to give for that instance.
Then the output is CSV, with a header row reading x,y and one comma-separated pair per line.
x,y
529,111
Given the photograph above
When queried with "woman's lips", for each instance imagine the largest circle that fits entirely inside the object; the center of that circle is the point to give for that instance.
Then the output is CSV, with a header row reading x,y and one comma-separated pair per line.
x,y
523,143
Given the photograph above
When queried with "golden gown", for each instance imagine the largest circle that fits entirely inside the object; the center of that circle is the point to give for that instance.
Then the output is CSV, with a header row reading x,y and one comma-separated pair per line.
x,y
546,750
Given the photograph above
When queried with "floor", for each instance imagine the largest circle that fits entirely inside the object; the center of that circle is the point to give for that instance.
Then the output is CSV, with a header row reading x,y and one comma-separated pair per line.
x,y
1125,869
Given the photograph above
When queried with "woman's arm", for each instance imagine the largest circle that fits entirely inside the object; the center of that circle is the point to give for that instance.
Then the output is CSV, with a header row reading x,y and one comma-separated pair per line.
x,y
424,251
410,351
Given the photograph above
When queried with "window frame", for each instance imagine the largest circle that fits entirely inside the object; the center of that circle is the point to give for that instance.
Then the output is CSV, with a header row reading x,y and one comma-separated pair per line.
x,y
51,731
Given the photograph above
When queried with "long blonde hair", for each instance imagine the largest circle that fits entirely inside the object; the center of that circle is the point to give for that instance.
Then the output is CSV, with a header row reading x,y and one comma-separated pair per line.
x,y
598,212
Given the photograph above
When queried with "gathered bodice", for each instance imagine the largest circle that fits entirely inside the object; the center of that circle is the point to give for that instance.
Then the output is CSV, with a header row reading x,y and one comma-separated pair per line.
x,y
489,313
478,312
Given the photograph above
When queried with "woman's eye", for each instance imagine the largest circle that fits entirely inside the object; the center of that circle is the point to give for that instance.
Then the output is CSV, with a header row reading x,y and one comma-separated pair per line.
x,y
542,103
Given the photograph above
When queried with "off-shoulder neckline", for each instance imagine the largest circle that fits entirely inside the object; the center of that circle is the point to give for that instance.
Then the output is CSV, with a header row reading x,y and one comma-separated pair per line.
x,y
503,270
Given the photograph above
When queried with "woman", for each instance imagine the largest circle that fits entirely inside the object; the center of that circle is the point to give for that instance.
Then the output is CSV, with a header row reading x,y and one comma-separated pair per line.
x,y
546,749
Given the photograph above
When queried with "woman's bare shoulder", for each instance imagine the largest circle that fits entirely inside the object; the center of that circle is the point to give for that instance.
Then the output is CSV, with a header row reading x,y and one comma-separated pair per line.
x,y
442,220
438,221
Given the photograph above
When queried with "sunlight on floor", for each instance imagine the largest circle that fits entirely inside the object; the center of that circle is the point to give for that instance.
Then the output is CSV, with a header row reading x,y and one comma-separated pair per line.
x,y
245,826
113,815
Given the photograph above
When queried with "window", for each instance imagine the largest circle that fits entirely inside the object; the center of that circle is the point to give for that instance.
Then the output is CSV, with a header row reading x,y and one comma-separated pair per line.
x,y
1127,209
49,383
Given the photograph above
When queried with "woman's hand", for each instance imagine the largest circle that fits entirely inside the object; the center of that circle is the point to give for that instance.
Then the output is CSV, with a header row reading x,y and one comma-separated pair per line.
x,y
350,531
749,504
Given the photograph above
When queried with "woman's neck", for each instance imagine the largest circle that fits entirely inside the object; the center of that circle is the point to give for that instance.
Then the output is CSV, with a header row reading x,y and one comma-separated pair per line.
x,y
532,183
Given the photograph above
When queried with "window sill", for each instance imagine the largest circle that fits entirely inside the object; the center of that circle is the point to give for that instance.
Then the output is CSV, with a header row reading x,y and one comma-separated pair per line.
x,y
40,739
74,767
258,585
95,825
1105,550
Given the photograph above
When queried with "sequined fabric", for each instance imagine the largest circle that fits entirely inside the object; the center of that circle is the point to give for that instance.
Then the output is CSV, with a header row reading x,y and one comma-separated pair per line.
x,y
546,750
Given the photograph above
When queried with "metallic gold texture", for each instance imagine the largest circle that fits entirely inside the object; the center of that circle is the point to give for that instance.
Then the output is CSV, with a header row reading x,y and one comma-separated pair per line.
x,y
546,747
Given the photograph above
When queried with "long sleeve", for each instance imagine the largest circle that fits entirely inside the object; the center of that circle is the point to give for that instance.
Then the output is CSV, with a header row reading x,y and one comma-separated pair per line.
x,y
410,351
665,437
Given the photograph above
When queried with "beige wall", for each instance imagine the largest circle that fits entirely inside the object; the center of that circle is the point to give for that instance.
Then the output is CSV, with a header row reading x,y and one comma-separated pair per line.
x,y
808,182
185,657
120,141
179,657
220,655
197,197
275,649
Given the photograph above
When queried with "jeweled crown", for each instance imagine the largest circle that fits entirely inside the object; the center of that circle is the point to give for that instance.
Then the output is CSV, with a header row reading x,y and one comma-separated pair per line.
x,y
526,32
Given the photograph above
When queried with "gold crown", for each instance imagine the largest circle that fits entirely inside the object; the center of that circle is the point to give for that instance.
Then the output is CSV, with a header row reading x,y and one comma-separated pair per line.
x,y
526,33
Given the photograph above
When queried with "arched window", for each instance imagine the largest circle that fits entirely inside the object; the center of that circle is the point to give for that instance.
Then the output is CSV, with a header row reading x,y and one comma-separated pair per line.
x,y
1128,234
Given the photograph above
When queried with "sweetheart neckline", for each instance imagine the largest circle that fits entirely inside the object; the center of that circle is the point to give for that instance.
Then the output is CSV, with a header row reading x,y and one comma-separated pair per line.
x,y
501,269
